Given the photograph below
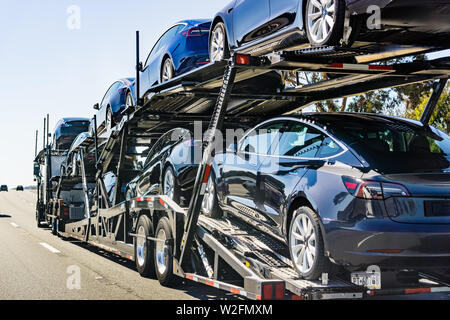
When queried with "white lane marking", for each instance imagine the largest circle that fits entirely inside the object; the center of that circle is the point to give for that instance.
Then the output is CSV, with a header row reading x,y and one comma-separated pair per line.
x,y
49,247
14,225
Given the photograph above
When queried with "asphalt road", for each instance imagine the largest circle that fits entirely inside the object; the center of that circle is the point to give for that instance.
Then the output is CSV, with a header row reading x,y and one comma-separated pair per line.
x,y
36,265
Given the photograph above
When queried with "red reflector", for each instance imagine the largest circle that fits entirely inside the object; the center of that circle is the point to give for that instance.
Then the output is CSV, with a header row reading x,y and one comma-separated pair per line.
x,y
386,250
267,292
207,172
235,291
279,291
243,60
417,290
209,283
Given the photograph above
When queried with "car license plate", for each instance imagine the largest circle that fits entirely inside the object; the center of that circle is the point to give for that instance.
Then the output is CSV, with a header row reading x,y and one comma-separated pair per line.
x,y
371,279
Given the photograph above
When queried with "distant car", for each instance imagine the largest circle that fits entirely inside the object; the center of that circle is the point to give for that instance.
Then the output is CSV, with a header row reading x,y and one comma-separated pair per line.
x,y
170,168
352,189
182,48
66,130
19,188
4,188
262,26
118,96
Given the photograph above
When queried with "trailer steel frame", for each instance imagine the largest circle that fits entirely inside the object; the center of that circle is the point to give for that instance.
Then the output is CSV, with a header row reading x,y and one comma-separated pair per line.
x,y
217,92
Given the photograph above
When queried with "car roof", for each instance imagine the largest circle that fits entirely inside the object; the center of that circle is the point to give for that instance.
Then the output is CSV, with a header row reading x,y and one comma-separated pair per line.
x,y
194,22
74,119
324,118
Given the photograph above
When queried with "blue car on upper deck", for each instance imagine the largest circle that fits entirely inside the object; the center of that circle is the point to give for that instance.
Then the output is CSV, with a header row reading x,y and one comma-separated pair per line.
x,y
182,48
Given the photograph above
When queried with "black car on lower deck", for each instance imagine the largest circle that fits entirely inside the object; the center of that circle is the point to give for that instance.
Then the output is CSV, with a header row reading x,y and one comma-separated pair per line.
x,y
19,188
4,188
170,168
353,189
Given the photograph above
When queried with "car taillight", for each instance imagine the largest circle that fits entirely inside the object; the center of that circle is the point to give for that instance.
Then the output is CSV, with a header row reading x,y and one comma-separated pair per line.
x,y
63,209
374,190
195,32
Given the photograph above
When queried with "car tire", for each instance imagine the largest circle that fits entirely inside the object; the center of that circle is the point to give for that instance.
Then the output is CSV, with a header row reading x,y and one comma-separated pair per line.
x,y
167,70
305,223
143,249
164,253
318,21
109,123
218,44
170,186
210,204
129,100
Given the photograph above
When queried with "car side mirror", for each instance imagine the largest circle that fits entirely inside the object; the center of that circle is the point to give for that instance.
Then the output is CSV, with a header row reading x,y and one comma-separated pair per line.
x,y
140,166
96,106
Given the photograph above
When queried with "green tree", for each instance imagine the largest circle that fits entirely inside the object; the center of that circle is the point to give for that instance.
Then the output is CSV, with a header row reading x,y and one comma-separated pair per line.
x,y
441,116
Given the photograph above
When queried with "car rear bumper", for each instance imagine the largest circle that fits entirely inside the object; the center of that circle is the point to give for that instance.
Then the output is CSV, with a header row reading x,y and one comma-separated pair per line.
x,y
390,245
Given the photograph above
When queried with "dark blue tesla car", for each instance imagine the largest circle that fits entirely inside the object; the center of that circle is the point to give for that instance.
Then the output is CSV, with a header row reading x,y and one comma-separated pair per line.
x,y
183,47
119,96
352,189
261,26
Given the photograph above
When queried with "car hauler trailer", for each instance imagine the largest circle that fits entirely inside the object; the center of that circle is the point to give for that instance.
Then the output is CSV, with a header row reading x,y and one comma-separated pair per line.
x,y
225,253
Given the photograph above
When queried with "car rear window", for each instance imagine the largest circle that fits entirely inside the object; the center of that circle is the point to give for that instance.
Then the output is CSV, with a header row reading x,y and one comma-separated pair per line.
x,y
396,147
75,127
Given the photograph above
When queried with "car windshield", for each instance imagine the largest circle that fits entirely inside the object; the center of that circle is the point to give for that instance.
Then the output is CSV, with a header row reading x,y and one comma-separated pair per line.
x,y
396,146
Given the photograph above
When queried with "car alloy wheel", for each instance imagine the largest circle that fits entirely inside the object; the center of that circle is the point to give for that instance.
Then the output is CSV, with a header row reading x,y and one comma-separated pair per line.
x,y
169,184
218,47
109,119
167,71
303,243
209,197
129,100
321,19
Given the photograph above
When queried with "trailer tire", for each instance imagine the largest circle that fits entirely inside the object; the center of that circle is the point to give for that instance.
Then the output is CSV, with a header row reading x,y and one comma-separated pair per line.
x,y
305,224
54,227
144,254
164,253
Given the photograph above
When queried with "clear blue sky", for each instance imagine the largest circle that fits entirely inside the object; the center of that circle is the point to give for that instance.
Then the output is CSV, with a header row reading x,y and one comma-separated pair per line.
x,y
45,67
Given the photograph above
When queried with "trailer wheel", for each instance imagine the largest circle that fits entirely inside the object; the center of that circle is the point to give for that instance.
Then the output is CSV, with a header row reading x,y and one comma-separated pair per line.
x,y
163,253
54,226
306,245
210,205
38,219
143,250
324,22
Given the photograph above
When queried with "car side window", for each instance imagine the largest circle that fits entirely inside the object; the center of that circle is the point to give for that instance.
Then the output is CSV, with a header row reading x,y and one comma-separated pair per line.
x,y
300,141
329,148
162,41
262,138
108,93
